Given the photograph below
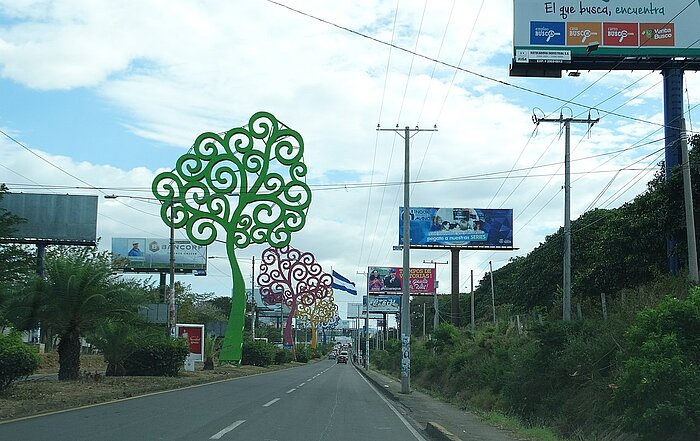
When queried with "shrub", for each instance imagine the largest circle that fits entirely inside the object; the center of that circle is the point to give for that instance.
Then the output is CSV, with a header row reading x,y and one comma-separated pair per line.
x,y
17,360
659,384
157,355
258,353
283,356
302,353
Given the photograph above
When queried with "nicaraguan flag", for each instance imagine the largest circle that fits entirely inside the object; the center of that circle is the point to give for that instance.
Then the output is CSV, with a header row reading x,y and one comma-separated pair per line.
x,y
343,284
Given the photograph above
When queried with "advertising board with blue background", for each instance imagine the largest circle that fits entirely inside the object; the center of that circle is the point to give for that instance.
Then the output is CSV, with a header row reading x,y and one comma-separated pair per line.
x,y
459,227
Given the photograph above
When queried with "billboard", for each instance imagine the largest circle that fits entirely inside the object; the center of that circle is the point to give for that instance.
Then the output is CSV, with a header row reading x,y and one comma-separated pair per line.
x,y
357,311
547,31
384,304
459,227
55,218
381,279
152,255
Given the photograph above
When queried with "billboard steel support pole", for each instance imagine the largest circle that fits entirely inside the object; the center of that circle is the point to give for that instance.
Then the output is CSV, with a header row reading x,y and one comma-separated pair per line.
x,y
455,287
673,113
566,301
472,302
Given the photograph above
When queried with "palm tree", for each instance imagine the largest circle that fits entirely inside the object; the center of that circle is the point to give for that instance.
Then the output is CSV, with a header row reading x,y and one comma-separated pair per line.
x,y
78,293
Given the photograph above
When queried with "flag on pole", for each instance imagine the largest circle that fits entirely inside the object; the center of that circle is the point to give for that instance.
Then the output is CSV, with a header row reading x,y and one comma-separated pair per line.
x,y
343,284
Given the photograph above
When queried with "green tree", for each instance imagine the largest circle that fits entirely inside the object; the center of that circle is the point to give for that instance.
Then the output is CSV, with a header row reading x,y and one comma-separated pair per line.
x,y
250,183
77,294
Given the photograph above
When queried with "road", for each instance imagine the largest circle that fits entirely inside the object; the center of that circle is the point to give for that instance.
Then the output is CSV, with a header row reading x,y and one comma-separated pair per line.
x,y
315,402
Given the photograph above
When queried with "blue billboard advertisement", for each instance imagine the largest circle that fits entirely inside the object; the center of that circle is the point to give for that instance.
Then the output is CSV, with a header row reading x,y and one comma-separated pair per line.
x,y
459,227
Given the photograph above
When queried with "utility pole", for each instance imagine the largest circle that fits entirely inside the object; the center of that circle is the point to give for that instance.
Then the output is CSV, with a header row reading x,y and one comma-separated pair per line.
x,y
472,305
171,305
567,201
405,297
366,357
493,294
688,202
436,317
252,292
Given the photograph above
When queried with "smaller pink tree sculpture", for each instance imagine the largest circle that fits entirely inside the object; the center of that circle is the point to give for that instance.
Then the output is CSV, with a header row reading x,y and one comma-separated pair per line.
x,y
294,278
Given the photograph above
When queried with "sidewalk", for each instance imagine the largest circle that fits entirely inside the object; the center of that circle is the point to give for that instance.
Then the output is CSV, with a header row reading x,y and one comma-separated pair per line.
x,y
440,419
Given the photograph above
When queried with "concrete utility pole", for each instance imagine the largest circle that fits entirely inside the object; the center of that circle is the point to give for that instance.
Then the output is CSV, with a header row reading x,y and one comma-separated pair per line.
x,y
405,297
365,359
567,201
436,316
171,303
472,305
688,202
493,294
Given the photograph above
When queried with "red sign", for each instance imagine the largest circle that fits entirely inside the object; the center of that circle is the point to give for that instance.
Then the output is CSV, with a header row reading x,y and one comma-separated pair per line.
x,y
389,280
620,34
193,334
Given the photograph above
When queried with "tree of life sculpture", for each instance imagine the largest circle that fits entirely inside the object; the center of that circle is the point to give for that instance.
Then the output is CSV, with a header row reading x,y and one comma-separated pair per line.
x,y
319,312
248,183
294,278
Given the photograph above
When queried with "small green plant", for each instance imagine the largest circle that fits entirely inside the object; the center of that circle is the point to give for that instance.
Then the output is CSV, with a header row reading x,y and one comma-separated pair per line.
x,y
210,351
17,360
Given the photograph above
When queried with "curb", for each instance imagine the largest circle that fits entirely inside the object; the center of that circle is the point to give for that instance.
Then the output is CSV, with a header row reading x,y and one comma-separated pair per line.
x,y
439,433
434,430
378,385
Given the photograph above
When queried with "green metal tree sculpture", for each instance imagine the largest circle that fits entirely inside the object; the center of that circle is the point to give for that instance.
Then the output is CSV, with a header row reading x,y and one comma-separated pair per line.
x,y
248,183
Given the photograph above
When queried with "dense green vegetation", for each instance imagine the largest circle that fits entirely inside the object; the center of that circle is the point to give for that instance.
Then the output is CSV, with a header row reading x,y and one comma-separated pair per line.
x,y
635,371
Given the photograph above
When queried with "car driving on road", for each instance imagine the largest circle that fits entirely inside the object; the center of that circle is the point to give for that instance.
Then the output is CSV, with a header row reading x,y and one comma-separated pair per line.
x,y
342,357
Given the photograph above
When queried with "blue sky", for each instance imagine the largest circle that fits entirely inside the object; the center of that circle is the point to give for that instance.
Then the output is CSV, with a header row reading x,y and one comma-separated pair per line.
x,y
113,93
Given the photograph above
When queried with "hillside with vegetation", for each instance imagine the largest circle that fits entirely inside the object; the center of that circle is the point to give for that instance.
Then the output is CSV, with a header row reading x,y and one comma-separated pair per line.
x,y
631,373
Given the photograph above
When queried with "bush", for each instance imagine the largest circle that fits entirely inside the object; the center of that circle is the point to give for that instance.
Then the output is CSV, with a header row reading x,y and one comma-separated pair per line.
x,y
258,353
17,360
283,356
302,353
660,382
157,355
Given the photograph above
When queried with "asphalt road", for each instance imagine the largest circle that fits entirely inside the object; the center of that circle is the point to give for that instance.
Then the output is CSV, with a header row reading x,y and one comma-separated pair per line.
x,y
316,402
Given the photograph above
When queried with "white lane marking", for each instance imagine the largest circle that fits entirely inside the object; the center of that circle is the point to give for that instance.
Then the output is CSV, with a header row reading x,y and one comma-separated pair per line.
x,y
291,390
271,402
403,420
227,429
301,384
309,380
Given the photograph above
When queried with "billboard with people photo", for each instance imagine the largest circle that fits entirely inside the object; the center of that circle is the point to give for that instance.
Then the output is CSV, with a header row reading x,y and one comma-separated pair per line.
x,y
459,227
382,279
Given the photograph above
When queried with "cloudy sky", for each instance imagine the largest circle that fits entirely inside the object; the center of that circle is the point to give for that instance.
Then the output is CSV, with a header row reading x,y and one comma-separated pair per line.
x,y
97,97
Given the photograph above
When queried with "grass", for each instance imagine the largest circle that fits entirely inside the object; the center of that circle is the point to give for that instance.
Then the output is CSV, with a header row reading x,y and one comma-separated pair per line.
x,y
36,396
514,425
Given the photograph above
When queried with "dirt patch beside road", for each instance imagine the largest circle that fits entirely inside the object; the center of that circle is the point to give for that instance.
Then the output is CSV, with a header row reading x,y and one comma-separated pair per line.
x,y
47,394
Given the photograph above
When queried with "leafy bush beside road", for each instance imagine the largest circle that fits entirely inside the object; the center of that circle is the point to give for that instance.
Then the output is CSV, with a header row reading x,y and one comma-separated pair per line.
x,y
157,355
258,353
17,360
